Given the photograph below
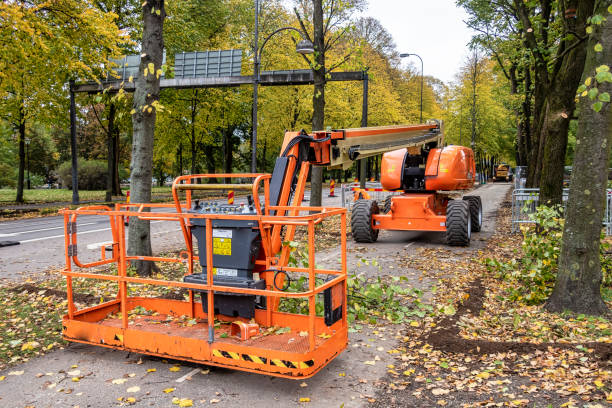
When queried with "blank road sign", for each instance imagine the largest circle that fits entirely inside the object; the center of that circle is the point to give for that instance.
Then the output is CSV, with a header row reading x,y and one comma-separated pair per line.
x,y
206,64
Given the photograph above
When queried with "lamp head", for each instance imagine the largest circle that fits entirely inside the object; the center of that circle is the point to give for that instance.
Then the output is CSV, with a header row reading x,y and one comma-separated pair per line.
x,y
304,47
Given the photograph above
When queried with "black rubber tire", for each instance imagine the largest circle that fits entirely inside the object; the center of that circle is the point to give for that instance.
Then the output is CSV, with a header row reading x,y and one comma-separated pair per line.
x,y
458,223
361,221
387,205
475,211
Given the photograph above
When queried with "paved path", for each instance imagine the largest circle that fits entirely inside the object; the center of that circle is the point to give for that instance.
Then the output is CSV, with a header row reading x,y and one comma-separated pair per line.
x,y
346,380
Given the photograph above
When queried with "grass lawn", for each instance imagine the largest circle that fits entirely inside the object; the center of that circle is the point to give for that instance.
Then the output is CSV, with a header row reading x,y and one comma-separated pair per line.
x,y
7,195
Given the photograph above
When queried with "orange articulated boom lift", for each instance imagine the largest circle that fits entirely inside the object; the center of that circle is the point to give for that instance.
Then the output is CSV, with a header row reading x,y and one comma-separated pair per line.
x,y
245,268
429,176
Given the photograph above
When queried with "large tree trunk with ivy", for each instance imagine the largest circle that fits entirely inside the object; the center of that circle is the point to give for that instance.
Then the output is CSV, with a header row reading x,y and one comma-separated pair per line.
x,y
143,122
578,285
318,98
560,105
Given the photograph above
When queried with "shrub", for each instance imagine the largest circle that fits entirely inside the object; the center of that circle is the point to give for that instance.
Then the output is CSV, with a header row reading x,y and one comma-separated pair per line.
x,y
535,273
92,174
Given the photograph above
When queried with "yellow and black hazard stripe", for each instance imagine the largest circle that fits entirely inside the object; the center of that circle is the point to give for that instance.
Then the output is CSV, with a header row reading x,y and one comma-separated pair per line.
x,y
262,360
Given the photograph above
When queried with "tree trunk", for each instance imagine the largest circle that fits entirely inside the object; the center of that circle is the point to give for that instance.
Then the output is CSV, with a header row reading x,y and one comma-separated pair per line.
x,y
179,159
116,178
110,157
227,152
143,123
318,98
194,153
559,108
578,285
22,128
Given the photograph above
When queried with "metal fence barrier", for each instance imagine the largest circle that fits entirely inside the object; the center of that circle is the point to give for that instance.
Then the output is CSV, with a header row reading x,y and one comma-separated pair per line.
x,y
520,176
373,190
526,200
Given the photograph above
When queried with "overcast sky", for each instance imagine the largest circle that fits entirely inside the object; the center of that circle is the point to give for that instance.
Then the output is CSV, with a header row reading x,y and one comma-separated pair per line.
x,y
434,29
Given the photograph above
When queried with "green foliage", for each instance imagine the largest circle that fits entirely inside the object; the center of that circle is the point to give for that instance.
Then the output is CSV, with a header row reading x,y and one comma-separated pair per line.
x,y
535,273
92,174
370,299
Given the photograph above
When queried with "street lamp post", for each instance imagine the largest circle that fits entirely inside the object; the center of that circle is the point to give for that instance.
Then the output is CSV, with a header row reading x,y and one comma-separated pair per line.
x,y
303,47
27,143
416,55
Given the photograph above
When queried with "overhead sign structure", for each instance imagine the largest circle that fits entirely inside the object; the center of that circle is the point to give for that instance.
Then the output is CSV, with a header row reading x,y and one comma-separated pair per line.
x,y
127,67
208,64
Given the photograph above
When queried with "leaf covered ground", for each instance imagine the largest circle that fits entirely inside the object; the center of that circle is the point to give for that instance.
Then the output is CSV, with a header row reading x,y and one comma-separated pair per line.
x,y
483,350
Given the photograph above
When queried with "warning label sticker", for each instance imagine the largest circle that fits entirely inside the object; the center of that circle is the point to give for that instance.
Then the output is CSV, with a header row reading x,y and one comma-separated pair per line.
x,y
225,272
222,246
221,233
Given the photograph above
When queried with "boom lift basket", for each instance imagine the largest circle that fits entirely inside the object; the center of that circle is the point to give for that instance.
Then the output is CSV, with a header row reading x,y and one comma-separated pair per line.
x,y
307,342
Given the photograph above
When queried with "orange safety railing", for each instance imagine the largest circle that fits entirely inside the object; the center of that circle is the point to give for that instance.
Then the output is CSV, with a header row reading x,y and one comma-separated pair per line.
x,y
266,222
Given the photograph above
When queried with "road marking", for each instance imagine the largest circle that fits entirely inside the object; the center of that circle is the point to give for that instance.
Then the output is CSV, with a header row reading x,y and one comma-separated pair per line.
x,y
84,232
99,244
49,229
7,235
188,375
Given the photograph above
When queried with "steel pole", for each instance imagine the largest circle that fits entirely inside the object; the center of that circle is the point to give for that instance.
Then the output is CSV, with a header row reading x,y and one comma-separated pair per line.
x,y
255,89
73,146
364,123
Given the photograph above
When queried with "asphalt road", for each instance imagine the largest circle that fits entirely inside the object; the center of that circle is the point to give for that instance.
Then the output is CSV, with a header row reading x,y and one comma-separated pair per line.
x,y
349,380
41,241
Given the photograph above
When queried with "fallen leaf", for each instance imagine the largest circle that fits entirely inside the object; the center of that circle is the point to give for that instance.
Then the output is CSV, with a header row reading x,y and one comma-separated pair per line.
x,y
304,399
74,372
175,369
16,372
303,385
119,381
2,377
151,370
133,389
76,379
169,390
440,391
214,400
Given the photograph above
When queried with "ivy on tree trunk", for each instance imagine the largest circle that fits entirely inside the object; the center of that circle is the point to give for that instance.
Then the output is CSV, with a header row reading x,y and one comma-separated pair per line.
x,y
146,97
578,284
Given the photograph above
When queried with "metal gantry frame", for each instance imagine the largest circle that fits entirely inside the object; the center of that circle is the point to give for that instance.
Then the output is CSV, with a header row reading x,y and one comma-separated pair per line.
x,y
278,78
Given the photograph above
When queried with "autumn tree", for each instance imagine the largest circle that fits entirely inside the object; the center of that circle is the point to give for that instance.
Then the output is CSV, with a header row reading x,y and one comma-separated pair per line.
x,y
551,58
145,108
329,20
74,37
579,277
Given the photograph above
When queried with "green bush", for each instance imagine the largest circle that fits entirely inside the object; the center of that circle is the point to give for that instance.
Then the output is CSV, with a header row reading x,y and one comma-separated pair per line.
x,y
535,273
92,174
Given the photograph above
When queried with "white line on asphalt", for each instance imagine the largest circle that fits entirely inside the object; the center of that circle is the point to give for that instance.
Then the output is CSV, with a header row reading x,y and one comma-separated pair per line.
x,y
188,375
7,235
80,233
54,228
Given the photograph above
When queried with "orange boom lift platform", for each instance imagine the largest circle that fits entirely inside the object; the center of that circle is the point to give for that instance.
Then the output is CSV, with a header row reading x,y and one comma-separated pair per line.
x,y
241,285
